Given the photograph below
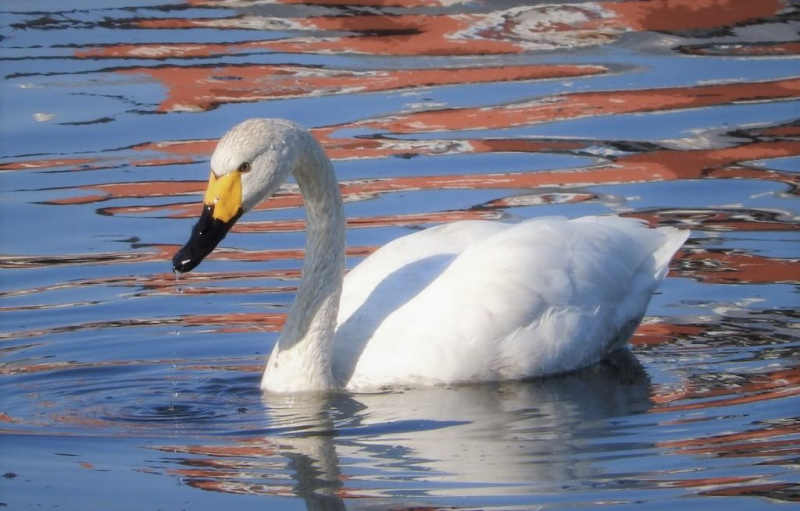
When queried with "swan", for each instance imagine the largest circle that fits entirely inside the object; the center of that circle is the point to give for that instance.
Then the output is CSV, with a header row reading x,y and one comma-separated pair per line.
x,y
470,301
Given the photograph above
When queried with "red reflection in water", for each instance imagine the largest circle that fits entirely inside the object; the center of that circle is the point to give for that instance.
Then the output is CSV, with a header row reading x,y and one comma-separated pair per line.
x,y
773,441
659,165
760,441
400,32
779,491
586,104
658,333
50,164
731,267
202,88
682,15
776,384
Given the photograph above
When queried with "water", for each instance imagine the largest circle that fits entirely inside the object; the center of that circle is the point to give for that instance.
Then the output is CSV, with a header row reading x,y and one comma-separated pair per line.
x,y
125,388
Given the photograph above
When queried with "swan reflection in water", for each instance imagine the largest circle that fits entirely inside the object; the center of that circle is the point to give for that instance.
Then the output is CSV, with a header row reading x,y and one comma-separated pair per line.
x,y
363,451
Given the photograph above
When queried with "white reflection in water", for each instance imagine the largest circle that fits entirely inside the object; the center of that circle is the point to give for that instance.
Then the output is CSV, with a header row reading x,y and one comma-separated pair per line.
x,y
506,438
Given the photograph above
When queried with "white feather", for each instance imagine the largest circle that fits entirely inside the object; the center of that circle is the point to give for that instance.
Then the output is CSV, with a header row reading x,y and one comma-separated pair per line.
x,y
510,302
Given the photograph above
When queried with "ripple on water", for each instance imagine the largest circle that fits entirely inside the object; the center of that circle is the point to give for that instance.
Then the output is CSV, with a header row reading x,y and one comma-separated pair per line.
x,y
173,412
131,399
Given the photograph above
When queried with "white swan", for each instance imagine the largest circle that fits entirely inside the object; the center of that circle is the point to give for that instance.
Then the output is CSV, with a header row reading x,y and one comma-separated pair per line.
x,y
464,302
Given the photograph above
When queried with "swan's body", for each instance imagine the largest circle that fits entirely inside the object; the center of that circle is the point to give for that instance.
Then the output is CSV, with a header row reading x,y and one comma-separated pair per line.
x,y
464,302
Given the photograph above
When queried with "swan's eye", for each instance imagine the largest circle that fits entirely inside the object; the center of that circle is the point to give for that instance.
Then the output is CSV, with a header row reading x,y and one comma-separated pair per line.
x,y
244,167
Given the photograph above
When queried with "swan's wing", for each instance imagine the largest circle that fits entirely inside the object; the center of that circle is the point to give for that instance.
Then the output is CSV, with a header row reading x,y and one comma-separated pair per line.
x,y
414,261
392,277
542,297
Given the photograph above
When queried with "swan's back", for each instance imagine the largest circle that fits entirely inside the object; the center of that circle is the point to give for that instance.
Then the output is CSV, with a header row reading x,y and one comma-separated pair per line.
x,y
480,301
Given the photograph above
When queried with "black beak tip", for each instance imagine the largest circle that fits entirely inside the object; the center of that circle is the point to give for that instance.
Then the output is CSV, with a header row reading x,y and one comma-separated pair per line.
x,y
183,262
205,237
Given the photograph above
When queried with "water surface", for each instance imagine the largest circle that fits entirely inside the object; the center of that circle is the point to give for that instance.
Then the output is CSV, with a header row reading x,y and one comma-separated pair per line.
x,y
120,380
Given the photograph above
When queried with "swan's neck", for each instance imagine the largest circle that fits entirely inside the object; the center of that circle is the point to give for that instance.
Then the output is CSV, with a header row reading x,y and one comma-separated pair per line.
x,y
301,359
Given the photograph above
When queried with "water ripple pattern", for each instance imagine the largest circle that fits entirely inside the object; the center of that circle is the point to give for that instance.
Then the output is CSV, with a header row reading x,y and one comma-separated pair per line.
x,y
119,379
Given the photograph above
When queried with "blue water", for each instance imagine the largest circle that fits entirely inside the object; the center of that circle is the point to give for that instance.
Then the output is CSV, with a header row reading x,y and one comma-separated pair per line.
x,y
125,388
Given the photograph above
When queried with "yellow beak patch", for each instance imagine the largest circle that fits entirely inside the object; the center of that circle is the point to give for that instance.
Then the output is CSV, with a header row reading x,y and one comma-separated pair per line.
x,y
225,194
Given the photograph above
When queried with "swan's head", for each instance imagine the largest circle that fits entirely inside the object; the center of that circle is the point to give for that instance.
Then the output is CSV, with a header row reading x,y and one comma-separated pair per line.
x,y
250,163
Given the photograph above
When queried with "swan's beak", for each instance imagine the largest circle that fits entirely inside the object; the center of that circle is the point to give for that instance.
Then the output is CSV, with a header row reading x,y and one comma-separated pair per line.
x,y
222,207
